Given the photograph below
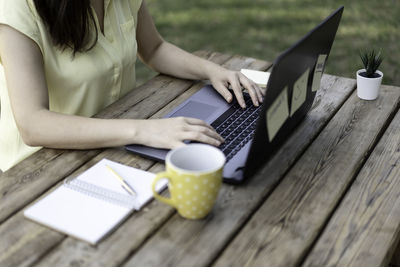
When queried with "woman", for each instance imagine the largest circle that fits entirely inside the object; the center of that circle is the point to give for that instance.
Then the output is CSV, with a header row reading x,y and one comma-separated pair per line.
x,y
65,60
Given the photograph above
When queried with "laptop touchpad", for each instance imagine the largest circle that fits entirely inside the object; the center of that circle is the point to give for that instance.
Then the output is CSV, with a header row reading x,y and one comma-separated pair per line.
x,y
196,110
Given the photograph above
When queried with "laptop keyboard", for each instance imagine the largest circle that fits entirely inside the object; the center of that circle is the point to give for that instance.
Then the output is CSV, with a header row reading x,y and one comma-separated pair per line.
x,y
237,127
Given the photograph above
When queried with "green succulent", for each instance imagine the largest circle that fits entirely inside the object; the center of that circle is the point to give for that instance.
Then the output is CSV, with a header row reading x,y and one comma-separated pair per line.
x,y
371,60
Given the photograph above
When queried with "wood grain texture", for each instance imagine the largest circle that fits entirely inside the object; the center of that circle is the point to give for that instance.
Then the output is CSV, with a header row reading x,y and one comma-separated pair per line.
x,y
196,243
28,248
284,228
33,176
83,253
25,243
364,229
116,247
147,220
18,188
127,239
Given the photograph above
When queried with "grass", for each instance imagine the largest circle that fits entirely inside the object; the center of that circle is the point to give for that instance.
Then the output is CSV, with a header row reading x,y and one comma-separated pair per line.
x,y
264,28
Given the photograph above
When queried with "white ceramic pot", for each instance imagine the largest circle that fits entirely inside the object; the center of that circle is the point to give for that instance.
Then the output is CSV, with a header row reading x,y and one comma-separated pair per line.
x,y
368,88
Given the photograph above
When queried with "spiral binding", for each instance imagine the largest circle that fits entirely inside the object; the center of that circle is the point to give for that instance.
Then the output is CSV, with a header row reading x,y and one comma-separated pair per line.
x,y
101,193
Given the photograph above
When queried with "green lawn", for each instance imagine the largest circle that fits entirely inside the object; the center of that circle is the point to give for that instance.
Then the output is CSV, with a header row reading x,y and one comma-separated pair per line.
x,y
264,28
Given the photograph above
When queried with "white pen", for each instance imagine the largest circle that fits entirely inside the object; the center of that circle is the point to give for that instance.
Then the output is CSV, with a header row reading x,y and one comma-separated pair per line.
x,y
124,184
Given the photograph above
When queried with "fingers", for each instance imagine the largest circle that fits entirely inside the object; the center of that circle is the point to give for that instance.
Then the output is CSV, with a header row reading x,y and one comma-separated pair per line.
x,y
237,81
259,93
194,121
202,138
223,91
237,90
206,132
198,130
254,90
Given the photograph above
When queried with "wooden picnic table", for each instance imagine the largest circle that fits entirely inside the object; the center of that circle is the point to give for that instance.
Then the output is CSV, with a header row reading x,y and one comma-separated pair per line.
x,y
329,196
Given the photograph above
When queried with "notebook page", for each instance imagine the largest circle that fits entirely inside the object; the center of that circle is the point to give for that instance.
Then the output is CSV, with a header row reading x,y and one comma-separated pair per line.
x,y
77,214
90,218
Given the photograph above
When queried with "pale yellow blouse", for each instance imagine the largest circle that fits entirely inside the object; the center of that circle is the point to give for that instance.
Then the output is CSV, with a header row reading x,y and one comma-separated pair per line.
x,y
80,85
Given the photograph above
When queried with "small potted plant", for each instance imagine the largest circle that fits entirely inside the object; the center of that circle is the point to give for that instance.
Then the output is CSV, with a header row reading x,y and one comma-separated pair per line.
x,y
369,79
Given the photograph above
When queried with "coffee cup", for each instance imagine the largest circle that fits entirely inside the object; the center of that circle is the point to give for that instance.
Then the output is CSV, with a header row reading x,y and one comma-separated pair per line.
x,y
194,174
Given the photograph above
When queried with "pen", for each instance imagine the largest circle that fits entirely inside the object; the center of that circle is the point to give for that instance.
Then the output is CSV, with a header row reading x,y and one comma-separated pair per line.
x,y
124,184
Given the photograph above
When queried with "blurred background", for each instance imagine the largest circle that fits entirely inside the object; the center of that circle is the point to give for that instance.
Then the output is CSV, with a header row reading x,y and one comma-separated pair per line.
x,y
264,28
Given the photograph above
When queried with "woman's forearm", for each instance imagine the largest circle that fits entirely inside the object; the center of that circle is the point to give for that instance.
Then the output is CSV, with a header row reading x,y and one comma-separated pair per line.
x,y
167,58
55,130
171,60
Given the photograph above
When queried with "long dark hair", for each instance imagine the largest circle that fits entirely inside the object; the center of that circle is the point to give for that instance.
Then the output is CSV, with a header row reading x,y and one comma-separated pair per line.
x,y
69,23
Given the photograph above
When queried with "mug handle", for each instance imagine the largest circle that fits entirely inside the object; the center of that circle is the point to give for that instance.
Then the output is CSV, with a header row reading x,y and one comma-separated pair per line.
x,y
159,176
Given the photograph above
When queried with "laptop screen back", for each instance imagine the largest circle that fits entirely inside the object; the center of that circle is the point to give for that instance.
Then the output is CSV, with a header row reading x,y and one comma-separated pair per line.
x,y
291,90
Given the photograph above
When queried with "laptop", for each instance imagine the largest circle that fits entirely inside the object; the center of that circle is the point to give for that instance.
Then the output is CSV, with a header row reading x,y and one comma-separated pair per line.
x,y
254,134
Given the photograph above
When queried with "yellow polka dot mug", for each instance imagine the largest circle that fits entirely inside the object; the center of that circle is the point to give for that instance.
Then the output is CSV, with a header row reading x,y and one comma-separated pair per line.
x,y
194,173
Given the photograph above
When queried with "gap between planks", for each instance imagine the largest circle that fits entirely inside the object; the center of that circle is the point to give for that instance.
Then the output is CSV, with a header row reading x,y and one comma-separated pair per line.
x,y
216,56
235,62
46,161
293,229
233,215
360,179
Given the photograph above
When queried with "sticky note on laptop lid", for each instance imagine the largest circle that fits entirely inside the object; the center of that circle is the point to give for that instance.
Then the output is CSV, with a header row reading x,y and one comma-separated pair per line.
x,y
259,77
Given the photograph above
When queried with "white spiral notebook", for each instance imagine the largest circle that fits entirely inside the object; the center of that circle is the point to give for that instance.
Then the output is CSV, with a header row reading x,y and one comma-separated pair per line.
x,y
91,205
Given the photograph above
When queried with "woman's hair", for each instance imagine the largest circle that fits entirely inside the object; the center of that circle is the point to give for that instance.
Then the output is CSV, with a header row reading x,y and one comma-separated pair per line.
x,y
69,23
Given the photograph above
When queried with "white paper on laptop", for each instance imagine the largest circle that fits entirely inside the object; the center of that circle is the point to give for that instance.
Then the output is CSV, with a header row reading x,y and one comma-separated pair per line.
x,y
259,77
319,67
277,114
299,94
89,206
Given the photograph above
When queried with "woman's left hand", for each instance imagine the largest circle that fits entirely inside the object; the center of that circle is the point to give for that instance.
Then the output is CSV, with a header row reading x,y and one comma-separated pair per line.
x,y
223,79
162,57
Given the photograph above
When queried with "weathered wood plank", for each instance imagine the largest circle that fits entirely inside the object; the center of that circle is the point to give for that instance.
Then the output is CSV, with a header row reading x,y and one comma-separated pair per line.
x,y
196,243
115,248
286,225
148,220
31,177
152,218
22,251
78,251
364,229
127,239
21,242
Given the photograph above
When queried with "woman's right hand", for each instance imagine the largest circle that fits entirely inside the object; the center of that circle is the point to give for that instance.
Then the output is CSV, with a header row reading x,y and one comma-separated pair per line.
x,y
170,133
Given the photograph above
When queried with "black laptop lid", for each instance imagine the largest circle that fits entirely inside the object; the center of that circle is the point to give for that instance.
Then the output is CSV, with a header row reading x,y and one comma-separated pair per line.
x,y
295,65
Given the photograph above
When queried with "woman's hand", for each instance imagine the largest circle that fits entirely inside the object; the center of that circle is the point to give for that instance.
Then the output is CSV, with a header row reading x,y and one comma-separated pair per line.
x,y
171,132
162,57
222,79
